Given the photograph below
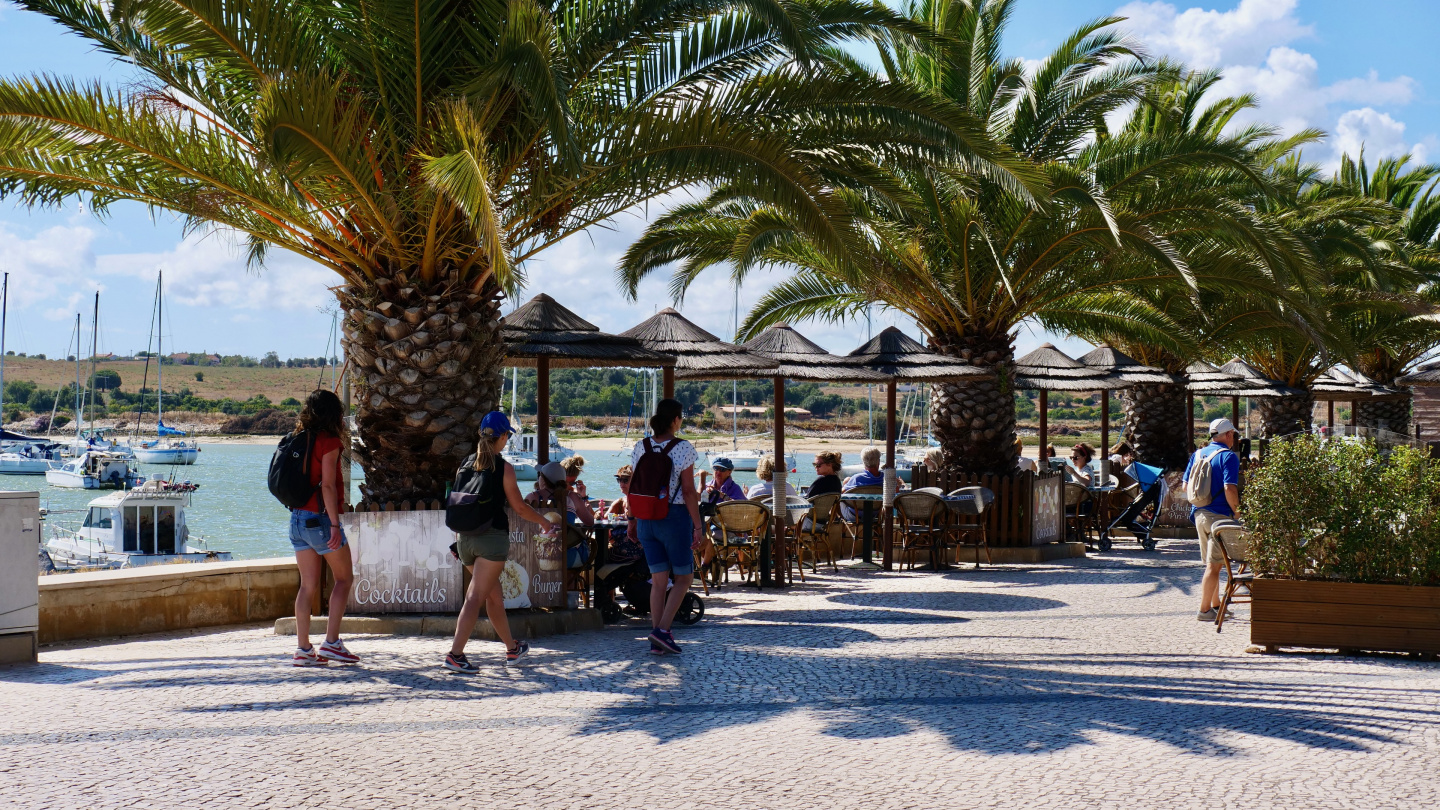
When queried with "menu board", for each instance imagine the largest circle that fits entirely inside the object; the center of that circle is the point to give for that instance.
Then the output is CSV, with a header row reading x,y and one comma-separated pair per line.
x,y
1047,519
534,575
402,562
1175,508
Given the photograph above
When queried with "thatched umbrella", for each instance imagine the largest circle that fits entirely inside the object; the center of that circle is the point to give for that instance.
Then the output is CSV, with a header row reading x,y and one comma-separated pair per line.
x,y
1345,385
798,359
1206,378
1426,375
902,359
542,335
1048,369
698,354
1264,387
1123,368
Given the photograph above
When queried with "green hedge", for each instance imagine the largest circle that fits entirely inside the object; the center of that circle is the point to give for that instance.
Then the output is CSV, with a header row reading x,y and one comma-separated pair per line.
x,y
1345,510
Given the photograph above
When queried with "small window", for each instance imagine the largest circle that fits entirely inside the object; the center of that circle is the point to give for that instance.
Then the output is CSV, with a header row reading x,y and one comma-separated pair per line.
x,y
132,529
147,530
165,530
98,518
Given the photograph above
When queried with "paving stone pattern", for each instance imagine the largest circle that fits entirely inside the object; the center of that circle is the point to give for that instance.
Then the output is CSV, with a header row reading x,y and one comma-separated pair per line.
x,y
1083,684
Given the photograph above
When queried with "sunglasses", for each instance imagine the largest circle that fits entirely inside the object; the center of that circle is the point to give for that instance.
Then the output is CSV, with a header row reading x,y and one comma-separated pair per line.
x,y
622,479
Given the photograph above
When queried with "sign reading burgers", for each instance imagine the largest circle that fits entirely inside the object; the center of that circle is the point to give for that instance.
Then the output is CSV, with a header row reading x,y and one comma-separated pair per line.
x,y
534,574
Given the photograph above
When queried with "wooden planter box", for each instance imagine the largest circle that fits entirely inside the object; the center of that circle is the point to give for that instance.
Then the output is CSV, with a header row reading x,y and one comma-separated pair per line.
x,y
1345,616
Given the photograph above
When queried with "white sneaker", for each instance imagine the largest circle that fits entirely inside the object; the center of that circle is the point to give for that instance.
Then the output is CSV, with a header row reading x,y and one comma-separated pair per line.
x,y
335,651
307,658
1208,615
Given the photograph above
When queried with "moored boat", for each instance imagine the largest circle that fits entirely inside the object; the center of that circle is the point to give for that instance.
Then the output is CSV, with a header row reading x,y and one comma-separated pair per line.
x,y
95,470
144,526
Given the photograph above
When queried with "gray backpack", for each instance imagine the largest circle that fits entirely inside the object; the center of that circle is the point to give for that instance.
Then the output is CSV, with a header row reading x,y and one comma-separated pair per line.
x,y
1199,482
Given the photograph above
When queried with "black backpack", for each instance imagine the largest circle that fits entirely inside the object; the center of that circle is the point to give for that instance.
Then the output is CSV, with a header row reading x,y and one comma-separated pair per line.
x,y
476,498
290,470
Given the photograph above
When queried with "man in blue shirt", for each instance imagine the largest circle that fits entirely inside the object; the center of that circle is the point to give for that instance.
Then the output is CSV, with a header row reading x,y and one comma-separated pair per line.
x,y
1224,501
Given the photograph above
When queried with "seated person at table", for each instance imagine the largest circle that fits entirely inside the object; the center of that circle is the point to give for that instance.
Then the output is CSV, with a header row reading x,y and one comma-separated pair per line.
x,y
723,488
574,466
1079,467
765,471
827,472
549,477
624,541
868,477
1024,464
1118,455
934,459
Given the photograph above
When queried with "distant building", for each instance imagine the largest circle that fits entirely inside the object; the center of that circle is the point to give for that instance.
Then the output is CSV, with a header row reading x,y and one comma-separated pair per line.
x,y
759,410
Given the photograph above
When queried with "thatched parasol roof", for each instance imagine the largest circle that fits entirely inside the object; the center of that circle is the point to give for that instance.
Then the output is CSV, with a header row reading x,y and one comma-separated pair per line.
x,y
801,359
699,355
1207,379
1428,374
898,356
1344,385
1049,369
1119,366
543,328
1265,387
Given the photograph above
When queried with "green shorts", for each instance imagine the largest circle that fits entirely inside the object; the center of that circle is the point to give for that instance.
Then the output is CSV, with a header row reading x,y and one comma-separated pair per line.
x,y
493,545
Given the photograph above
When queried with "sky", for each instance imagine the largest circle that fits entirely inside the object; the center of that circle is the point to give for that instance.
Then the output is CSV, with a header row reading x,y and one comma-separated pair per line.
x,y
1362,72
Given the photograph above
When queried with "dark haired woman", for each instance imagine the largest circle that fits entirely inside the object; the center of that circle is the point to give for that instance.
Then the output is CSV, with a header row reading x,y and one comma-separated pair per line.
x,y
315,532
484,553
669,542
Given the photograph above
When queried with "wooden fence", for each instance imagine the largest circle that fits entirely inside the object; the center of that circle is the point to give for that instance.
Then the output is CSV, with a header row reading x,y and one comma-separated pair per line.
x,y
1028,509
403,506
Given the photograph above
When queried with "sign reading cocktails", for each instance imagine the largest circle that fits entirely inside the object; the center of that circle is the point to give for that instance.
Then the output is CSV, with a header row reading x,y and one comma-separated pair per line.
x,y
403,564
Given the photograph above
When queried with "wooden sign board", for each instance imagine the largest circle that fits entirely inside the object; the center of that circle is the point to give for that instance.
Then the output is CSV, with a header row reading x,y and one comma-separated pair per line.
x,y
402,562
1047,504
1175,508
534,576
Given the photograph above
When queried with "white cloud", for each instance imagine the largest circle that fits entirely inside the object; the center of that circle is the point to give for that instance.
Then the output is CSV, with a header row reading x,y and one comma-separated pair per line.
x,y
1210,38
1251,44
53,264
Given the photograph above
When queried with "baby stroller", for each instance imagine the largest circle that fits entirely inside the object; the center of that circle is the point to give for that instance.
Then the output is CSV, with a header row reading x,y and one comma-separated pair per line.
x,y
1151,486
627,572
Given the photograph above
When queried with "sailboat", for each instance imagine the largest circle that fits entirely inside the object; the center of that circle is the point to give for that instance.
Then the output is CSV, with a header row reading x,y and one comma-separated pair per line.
x,y
101,462
521,451
19,455
168,447
743,460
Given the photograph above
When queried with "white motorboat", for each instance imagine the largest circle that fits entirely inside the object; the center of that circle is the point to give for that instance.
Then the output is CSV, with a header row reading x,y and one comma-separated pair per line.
x,y
29,461
144,526
520,452
903,465
95,470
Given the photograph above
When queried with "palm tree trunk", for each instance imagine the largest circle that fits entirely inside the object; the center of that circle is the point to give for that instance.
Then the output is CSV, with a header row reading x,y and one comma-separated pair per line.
x,y
1156,424
1282,416
427,370
975,422
1387,415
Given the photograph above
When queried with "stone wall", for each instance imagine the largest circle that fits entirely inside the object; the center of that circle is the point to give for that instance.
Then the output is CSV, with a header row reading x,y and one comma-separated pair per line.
x,y
103,604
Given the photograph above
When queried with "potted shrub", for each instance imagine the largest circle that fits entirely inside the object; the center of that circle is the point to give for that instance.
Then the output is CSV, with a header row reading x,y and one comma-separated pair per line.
x,y
1345,543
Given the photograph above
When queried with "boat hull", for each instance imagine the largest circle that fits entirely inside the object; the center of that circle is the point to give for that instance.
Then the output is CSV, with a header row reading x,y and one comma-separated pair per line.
x,y
167,455
747,462
23,466
902,471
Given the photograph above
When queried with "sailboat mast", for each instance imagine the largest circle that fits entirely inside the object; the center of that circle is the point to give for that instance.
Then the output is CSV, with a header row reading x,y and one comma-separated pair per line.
x,y
160,352
79,413
94,348
4,311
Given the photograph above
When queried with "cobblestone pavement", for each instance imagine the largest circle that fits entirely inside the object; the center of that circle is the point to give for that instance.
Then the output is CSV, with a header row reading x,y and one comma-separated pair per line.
x,y
1083,684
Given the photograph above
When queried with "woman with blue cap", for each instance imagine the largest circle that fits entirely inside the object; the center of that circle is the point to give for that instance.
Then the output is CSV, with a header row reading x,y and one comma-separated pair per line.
x,y
485,552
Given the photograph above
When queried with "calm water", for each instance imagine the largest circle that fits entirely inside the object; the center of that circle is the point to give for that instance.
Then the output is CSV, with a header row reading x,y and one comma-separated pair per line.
x,y
234,511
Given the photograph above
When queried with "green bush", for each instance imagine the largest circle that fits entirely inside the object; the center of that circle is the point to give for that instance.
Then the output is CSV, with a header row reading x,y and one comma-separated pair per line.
x,y
1345,511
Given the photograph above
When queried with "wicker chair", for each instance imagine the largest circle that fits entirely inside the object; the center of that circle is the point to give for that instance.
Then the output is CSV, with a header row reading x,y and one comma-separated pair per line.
x,y
1234,540
741,524
814,535
923,524
1077,517
852,526
968,527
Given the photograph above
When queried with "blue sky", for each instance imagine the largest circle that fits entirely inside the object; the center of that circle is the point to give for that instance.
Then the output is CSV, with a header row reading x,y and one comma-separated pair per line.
x,y
1361,71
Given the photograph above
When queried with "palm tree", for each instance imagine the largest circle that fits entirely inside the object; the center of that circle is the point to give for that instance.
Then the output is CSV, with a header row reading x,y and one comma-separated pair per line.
x,y
423,151
966,258
1401,326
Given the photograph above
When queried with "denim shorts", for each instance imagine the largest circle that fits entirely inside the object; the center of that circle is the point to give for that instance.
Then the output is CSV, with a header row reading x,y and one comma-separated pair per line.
x,y
667,542
316,538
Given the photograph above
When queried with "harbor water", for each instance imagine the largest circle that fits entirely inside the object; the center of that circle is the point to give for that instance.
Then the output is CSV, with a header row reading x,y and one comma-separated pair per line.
x,y
234,511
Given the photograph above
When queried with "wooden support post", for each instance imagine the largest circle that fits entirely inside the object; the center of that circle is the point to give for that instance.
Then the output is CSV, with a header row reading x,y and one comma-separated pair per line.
x,y
782,514
1044,428
1105,423
1330,411
542,411
1190,418
667,375
1235,410
887,534
1354,413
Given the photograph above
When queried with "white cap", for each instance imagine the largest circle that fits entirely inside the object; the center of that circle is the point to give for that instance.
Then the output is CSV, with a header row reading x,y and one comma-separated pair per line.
x,y
1221,425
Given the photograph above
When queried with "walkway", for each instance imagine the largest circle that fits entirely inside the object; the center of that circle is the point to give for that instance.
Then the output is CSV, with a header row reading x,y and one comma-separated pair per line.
x,y
1087,684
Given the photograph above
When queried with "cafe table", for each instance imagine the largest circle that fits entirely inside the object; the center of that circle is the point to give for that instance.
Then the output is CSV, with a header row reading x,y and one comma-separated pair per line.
x,y
871,503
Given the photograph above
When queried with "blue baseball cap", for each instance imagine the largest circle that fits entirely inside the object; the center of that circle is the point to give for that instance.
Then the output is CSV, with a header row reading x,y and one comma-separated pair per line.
x,y
497,423
723,463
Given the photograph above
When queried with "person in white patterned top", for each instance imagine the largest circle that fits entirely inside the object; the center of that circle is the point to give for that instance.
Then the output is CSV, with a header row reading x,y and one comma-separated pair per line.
x,y
669,541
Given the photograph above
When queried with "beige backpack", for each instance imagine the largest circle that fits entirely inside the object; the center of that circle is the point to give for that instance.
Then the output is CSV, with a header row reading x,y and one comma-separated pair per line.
x,y
1198,482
